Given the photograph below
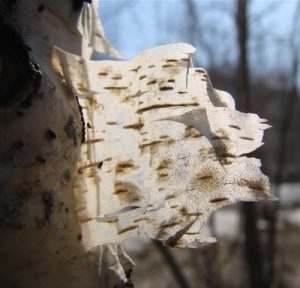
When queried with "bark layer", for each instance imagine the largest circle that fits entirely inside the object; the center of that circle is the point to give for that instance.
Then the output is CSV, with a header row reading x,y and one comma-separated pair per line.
x,y
40,130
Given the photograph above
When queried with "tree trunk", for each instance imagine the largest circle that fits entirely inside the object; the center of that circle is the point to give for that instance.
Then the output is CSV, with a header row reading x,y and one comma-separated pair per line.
x,y
253,253
40,130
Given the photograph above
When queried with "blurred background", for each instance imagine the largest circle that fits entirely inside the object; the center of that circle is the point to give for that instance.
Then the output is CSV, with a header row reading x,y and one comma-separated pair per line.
x,y
252,50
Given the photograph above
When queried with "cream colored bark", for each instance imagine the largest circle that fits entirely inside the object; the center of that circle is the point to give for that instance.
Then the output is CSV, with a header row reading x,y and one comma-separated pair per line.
x,y
40,236
151,148
163,148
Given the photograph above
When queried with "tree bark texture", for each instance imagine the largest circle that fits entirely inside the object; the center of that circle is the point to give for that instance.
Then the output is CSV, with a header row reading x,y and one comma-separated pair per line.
x,y
40,130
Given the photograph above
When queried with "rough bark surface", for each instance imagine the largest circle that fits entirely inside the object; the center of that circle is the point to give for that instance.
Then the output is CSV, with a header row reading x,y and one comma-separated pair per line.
x,y
41,133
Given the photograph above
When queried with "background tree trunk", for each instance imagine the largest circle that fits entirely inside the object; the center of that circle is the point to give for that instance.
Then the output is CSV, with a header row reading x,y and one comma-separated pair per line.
x,y
249,215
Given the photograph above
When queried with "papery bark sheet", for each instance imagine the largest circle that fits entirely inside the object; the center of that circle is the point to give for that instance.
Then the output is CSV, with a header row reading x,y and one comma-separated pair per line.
x,y
163,149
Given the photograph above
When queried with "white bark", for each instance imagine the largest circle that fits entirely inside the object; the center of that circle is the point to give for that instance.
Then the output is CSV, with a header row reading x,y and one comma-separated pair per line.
x,y
162,150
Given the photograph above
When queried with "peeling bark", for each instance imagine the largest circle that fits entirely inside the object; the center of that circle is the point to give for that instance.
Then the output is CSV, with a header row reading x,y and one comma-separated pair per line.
x,y
93,153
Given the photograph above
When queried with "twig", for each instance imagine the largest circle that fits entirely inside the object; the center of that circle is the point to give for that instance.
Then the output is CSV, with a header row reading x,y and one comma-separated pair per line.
x,y
173,265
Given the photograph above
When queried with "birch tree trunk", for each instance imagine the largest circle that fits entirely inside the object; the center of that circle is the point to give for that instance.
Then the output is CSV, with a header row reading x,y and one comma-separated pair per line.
x,y
40,238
